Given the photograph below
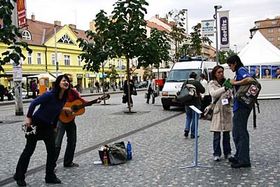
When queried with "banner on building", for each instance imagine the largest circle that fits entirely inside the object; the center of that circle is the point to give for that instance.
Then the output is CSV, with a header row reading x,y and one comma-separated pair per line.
x,y
207,28
224,29
21,12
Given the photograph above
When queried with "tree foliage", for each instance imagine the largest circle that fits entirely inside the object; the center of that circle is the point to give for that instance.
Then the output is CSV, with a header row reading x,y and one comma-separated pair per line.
x,y
224,55
10,35
96,49
157,49
177,33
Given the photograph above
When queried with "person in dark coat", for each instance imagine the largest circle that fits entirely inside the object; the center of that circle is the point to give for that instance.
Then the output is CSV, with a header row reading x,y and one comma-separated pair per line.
x,y
190,114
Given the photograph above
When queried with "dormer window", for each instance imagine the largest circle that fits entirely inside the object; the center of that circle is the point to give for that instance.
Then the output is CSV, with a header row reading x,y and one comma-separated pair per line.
x,y
26,35
65,39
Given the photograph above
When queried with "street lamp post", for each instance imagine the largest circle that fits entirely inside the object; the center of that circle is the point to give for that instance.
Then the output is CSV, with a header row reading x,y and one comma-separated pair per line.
x,y
217,7
235,48
55,48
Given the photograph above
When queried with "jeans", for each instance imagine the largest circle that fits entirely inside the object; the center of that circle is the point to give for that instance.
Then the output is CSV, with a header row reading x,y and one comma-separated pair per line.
x,y
190,120
240,135
150,93
48,136
71,133
217,142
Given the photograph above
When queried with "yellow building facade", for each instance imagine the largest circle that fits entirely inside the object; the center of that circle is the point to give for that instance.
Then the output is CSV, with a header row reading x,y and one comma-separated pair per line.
x,y
53,43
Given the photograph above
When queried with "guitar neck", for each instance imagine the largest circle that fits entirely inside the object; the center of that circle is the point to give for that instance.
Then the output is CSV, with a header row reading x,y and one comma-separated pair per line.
x,y
90,102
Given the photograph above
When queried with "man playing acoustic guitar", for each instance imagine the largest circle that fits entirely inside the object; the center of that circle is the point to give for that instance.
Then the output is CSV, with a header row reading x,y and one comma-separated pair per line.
x,y
69,126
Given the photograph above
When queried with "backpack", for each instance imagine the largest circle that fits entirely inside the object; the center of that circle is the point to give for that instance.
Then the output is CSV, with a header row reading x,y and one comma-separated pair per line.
x,y
248,94
187,93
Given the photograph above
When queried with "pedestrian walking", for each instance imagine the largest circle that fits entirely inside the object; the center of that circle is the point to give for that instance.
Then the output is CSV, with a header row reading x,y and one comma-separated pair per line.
x,y
151,90
45,119
190,114
222,116
131,89
241,114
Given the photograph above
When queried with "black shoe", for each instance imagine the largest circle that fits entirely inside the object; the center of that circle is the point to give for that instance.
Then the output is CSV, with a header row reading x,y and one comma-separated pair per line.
x,y
186,134
232,160
20,182
239,165
71,165
53,180
193,136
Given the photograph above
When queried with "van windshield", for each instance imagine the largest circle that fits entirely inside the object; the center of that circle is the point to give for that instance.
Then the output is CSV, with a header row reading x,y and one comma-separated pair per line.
x,y
180,75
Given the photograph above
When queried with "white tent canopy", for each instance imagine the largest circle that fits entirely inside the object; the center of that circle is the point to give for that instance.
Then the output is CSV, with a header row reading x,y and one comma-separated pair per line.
x,y
260,51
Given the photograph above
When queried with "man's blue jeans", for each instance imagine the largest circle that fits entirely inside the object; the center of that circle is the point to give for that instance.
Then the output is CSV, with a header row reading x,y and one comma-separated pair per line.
x,y
71,133
190,120
240,135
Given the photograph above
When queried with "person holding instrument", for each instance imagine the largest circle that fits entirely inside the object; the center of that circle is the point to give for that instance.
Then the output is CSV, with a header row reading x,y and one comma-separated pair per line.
x,y
45,118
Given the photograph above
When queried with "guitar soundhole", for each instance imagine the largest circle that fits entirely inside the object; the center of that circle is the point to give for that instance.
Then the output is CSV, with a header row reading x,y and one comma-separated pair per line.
x,y
75,108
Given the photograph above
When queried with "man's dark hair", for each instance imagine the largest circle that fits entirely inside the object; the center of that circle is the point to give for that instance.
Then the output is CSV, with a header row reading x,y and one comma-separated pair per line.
x,y
193,75
235,59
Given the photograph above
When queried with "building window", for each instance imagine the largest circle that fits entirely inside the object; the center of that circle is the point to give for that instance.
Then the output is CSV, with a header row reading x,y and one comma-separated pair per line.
x,y
65,39
39,58
274,22
67,60
270,30
29,58
53,59
26,35
270,39
278,38
79,61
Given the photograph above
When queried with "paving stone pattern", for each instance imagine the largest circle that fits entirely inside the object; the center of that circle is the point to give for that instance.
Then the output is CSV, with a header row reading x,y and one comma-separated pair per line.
x,y
160,153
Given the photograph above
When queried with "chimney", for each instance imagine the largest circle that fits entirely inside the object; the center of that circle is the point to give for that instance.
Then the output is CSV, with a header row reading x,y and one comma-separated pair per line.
x,y
57,23
33,17
157,16
72,26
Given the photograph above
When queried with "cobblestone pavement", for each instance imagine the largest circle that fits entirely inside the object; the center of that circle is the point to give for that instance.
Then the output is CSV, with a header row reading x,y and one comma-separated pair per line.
x,y
160,152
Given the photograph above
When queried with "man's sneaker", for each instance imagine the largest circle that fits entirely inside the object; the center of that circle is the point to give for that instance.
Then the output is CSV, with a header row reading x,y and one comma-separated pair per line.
x,y
217,158
186,133
20,182
71,165
228,156
53,180
232,160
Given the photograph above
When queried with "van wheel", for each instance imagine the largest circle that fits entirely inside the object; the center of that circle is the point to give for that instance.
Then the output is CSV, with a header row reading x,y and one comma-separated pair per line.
x,y
166,107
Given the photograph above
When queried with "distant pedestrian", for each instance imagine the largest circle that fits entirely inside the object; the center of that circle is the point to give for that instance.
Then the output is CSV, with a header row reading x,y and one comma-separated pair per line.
x,y
151,90
222,117
128,95
45,119
97,85
2,92
190,114
241,114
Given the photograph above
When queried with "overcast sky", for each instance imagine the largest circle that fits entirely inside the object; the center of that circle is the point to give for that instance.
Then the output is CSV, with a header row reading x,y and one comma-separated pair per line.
x,y
243,13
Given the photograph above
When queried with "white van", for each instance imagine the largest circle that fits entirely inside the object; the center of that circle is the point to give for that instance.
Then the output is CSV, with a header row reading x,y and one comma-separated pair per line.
x,y
178,74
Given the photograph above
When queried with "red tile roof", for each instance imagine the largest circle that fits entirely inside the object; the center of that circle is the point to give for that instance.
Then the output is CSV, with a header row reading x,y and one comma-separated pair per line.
x,y
38,28
156,26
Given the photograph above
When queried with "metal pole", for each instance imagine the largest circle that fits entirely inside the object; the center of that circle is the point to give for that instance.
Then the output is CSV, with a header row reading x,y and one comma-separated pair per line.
x,y
217,50
17,72
55,48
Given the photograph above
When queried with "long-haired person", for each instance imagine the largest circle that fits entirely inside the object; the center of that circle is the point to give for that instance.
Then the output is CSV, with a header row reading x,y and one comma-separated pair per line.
x,y
45,119
241,114
222,115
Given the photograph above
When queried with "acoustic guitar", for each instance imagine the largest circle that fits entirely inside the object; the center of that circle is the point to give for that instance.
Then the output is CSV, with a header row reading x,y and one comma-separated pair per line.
x,y
78,108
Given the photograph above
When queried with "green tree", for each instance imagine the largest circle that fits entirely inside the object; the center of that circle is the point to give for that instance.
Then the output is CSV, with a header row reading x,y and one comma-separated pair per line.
x,y
10,35
177,33
128,31
223,55
196,41
96,49
157,49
